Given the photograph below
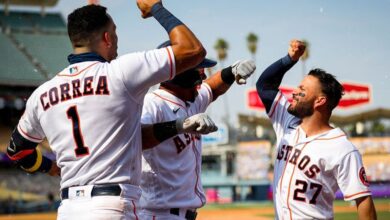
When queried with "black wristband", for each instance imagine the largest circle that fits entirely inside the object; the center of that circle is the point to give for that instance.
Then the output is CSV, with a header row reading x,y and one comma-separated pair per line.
x,y
227,75
164,130
164,17
46,165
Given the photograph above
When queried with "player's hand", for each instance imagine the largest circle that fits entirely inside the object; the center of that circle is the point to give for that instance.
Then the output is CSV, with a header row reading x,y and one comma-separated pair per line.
x,y
197,124
242,70
145,6
54,169
296,49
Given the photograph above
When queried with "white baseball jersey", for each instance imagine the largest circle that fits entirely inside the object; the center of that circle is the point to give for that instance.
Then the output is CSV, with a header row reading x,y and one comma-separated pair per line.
x,y
309,170
90,114
171,172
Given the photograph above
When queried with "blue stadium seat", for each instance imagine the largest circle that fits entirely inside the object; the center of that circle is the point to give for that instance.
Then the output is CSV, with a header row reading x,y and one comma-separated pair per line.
x,y
33,21
52,54
15,68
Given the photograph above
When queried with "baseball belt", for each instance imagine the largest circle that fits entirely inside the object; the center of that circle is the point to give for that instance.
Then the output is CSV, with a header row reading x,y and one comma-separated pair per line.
x,y
98,190
190,215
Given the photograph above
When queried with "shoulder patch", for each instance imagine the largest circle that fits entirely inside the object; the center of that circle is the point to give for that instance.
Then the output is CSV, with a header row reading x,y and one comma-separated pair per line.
x,y
363,176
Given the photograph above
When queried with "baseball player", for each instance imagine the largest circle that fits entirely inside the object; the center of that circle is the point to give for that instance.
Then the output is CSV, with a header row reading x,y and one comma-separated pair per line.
x,y
171,185
314,159
84,113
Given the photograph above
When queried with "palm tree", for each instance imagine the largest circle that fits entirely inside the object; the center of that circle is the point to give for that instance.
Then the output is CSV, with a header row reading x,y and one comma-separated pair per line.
x,y
251,41
304,57
221,46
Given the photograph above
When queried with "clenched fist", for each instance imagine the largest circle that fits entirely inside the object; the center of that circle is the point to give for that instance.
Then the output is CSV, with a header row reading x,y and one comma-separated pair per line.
x,y
145,6
242,70
197,124
296,49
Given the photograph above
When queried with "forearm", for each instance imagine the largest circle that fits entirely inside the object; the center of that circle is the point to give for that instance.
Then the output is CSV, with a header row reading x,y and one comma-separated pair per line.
x,y
217,85
268,83
154,134
366,208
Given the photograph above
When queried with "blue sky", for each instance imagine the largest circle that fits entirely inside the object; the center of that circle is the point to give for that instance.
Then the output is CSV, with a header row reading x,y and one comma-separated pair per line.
x,y
348,38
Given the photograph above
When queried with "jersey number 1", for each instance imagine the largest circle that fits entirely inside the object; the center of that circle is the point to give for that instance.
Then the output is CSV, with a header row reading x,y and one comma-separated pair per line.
x,y
81,149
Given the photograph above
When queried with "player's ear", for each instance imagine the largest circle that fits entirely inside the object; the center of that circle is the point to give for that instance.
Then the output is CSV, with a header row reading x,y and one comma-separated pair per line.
x,y
320,102
107,39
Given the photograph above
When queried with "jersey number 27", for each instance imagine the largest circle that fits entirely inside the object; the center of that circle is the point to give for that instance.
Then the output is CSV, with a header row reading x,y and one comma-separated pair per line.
x,y
304,189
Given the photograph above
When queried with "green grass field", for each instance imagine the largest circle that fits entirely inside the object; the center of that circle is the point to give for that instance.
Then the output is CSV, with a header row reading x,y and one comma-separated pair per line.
x,y
382,213
382,207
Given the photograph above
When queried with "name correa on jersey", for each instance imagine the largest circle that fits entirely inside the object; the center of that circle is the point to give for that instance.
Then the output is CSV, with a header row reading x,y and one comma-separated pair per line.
x,y
75,89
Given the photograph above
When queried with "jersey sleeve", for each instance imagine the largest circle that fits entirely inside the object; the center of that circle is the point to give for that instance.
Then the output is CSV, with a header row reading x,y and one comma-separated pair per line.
x,y
142,70
149,111
279,115
351,177
29,126
204,98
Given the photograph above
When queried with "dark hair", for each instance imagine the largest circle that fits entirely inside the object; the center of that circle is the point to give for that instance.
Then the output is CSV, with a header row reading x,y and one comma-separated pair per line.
x,y
329,86
86,21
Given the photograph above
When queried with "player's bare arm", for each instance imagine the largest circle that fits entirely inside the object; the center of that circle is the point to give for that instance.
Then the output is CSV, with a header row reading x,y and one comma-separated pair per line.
x,y
366,209
221,81
187,49
154,134
268,83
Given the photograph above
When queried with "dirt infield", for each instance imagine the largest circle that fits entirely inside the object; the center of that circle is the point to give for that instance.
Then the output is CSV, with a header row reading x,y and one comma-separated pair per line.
x,y
253,213
39,216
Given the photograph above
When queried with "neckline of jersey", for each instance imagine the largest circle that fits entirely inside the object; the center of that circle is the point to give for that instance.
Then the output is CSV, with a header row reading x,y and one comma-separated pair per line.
x,y
167,96
333,133
83,57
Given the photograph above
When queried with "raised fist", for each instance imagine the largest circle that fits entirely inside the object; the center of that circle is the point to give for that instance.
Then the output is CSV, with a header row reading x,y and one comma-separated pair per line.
x,y
197,124
243,69
145,6
296,49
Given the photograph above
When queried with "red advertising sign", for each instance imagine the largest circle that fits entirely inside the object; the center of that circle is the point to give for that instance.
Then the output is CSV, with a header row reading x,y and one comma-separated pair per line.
x,y
254,102
354,95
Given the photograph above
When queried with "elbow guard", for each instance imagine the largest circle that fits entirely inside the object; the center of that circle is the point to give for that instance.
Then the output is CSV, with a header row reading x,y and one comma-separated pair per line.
x,y
25,154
